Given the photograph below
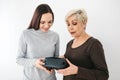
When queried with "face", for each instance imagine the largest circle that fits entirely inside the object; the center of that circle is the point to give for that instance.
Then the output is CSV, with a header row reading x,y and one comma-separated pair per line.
x,y
46,22
75,27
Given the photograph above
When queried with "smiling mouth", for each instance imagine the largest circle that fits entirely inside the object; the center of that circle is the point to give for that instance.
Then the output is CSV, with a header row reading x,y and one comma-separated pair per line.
x,y
46,29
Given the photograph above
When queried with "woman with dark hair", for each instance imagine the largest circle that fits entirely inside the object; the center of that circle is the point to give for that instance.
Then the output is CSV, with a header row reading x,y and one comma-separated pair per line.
x,y
36,43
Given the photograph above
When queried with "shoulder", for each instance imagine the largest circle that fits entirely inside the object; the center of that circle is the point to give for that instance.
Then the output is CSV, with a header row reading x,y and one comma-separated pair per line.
x,y
70,42
27,32
95,41
94,44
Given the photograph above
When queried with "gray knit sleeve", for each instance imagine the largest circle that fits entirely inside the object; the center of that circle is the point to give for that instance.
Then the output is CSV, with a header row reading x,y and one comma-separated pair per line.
x,y
21,55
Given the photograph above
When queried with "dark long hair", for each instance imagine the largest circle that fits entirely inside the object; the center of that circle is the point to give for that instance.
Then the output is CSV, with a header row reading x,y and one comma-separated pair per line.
x,y
40,10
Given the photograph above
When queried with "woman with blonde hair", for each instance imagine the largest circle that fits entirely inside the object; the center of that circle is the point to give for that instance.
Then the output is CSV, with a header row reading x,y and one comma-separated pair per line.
x,y
84,53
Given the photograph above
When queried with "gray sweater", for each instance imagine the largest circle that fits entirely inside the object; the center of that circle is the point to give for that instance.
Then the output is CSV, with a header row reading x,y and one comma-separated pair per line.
x,y
35,44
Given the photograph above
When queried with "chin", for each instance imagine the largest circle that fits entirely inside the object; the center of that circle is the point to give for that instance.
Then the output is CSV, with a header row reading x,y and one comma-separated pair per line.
x,y
44,30
73,35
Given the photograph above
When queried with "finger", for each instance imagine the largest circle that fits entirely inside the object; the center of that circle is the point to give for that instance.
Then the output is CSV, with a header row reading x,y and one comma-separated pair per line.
x,y
51,71
41,62
68,61
42,59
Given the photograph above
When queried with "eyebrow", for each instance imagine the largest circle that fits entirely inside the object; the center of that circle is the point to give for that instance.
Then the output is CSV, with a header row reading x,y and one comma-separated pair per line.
x,y
75,19
45,21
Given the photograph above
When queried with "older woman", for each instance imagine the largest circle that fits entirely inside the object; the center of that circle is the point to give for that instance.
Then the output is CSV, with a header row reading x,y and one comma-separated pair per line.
x,y
84,53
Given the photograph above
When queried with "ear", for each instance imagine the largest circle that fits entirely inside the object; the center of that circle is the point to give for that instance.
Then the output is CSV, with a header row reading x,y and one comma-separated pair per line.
x,y
84,25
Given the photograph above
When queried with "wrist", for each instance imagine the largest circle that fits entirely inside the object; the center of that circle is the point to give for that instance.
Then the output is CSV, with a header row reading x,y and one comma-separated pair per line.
x,y
76,70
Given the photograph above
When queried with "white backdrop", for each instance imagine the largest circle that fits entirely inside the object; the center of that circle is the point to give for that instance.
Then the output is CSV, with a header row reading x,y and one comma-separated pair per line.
x,y
103,23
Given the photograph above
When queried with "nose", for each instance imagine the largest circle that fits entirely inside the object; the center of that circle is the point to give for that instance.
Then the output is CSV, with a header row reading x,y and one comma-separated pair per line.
x,y
47,25
70,27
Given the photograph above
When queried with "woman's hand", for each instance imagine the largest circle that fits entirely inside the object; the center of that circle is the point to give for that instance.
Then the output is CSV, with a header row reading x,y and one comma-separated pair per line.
x,y
39,64
72,69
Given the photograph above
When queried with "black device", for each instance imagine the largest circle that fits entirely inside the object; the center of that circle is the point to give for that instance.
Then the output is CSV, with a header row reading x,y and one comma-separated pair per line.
x,y
55,63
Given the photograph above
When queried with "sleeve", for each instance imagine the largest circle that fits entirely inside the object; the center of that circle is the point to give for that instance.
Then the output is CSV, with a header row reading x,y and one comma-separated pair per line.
x,y
22,52
100,70
56,54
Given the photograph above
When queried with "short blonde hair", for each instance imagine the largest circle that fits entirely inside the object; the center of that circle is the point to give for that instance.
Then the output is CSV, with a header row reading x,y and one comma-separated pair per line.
x,y
81,15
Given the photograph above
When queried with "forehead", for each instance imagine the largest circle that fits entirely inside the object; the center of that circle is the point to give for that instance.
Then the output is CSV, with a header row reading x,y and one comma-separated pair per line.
x,y
72,18
46,16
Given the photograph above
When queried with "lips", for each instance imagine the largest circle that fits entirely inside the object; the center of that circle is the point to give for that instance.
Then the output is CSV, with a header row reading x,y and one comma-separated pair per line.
x,y
45,29
72,33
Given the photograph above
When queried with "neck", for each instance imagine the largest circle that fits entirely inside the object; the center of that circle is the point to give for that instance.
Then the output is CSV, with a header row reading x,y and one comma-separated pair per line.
x,y
80,40
82,37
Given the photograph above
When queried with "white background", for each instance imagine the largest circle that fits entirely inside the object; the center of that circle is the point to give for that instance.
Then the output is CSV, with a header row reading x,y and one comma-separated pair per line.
x,y
103,23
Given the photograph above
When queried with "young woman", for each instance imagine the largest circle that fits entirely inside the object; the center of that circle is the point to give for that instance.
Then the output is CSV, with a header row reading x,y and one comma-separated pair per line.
x,y
38,42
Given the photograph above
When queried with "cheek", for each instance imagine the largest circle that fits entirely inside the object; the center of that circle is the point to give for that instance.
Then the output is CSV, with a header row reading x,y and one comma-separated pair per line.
x,y
79,28
68,29
40,26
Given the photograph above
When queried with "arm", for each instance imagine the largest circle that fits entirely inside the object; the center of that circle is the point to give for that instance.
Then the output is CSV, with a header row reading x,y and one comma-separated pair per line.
x,y
100,71
21,57
28,62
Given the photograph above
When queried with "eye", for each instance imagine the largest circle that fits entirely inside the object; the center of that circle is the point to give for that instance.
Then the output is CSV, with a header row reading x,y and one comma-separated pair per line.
x,y
74,23
50,22
42,22
67,24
